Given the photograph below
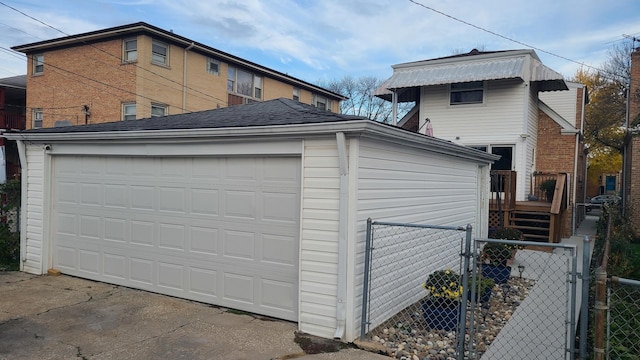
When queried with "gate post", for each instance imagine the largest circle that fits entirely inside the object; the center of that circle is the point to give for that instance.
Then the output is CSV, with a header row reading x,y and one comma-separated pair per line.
x,y
462,325
365,287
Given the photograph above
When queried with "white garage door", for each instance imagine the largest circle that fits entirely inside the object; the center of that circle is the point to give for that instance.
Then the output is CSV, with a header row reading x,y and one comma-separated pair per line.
x,y
219,230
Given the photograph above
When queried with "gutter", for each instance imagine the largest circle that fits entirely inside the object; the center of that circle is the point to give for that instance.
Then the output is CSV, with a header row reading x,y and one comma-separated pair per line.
x,y
23,202
365,128
342,236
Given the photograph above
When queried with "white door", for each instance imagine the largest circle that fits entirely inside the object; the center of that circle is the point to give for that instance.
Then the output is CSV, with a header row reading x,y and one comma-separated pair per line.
x,y
219,230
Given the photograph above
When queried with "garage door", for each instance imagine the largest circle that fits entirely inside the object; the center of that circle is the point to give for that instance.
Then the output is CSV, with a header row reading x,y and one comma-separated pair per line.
x,y
219,230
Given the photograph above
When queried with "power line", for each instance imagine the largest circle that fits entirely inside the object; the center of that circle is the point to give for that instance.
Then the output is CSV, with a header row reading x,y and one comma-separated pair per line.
x,y
511,39
113,55
101,83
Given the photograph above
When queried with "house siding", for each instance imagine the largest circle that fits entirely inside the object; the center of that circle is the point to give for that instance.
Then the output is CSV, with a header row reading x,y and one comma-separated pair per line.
x,y
498,119
33,237
400,184
564,102
319,234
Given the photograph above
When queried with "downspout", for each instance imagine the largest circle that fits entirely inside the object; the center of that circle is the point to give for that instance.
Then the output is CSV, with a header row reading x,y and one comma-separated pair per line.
x,y
184,78
23,202
575,185
394,107
341,314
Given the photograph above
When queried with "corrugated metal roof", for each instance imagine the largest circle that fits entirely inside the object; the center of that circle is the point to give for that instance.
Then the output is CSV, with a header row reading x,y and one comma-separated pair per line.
x,y
470,69
19,81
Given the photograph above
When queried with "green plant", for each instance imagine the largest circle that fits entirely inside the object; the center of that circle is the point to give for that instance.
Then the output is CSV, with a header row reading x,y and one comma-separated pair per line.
x,y
508,234
496,254
482,284
548,187
9,235
444,288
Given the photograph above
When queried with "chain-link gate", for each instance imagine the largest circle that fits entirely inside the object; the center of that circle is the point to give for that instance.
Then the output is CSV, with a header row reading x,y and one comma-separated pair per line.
x,y
412,291
623,319
524,300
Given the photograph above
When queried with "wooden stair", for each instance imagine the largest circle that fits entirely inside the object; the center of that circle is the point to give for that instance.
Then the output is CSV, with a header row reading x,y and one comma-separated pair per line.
x,y
533,224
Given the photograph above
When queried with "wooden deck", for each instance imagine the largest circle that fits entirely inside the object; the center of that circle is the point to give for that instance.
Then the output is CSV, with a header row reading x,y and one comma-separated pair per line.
x,y
533,218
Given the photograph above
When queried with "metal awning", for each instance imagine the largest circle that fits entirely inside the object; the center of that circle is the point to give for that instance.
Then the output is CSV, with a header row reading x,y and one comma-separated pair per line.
x,y
426,73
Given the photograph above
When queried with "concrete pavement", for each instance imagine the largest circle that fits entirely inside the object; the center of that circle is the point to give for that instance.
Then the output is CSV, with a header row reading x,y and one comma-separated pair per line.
x,y
62,317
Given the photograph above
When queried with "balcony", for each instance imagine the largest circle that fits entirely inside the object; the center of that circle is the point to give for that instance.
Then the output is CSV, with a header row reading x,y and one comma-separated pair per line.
x,y
12,121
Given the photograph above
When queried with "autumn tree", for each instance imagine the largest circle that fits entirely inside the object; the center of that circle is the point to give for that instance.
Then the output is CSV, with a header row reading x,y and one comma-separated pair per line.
x,y
361,101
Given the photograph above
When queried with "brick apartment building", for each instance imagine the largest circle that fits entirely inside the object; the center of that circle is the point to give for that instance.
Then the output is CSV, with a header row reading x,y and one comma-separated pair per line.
x,y
138,71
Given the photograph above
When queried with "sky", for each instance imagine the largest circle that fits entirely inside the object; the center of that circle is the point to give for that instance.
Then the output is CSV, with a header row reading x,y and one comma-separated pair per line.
x,y
322,40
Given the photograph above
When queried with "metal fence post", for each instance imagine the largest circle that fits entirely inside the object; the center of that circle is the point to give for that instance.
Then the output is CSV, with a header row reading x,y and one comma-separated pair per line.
x,y
465,280
584,308
365,286
599,316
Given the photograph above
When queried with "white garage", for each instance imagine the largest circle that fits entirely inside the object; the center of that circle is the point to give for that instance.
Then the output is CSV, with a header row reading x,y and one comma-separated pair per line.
x,y
259,207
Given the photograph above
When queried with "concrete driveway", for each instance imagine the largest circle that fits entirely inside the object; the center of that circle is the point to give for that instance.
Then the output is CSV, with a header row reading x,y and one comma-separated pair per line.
x,y
62,317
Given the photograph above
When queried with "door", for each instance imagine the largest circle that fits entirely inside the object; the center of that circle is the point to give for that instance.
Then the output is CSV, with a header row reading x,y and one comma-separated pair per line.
x,y
219,230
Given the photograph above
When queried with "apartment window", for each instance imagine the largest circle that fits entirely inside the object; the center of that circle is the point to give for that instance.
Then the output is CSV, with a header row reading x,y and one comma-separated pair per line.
x,y
38,64
130,50
213,66
467,93
37,118
244,83
321,102
128,111
296,94
158,110
159,52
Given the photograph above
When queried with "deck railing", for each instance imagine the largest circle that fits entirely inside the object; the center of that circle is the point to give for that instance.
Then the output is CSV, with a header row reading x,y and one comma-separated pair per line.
x,y
12,121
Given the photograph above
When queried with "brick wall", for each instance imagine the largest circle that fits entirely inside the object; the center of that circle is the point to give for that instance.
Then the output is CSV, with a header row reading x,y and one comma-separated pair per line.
x,y
91,76
555,153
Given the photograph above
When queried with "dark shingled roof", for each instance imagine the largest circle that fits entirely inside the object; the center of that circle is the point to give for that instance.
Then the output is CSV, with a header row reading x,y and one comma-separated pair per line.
x,y
273,112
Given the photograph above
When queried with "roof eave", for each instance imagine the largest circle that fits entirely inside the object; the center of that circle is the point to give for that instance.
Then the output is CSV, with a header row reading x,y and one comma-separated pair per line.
x,y
366,128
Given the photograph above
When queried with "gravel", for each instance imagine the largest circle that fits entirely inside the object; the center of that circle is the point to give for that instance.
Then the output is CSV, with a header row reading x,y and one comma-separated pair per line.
x,y
407,336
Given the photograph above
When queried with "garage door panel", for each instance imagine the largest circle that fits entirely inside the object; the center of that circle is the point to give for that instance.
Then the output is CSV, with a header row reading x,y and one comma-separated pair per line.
x,y
218,230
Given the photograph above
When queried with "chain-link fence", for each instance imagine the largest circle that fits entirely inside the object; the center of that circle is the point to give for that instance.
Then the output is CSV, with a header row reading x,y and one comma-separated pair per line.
x,y
623,319
432,293
413,288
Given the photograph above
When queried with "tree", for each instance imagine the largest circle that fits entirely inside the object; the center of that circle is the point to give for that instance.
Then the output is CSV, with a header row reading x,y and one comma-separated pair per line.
x,y
605,113
361,101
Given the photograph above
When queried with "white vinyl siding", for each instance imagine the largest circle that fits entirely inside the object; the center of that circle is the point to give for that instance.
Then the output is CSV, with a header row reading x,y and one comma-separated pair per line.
x,y
498,119
33,252
319,247
563,102
398,184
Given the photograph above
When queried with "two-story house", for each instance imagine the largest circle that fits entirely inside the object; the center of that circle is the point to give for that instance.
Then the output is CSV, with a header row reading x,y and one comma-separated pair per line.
x,y
138,71
510,104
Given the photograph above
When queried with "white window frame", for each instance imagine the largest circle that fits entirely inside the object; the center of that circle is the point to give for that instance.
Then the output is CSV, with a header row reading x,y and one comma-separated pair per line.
x,y
126,111
163,107
158,58
255,86
38,64
215,62
469,88
326,102
38,117
129,55
296,94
